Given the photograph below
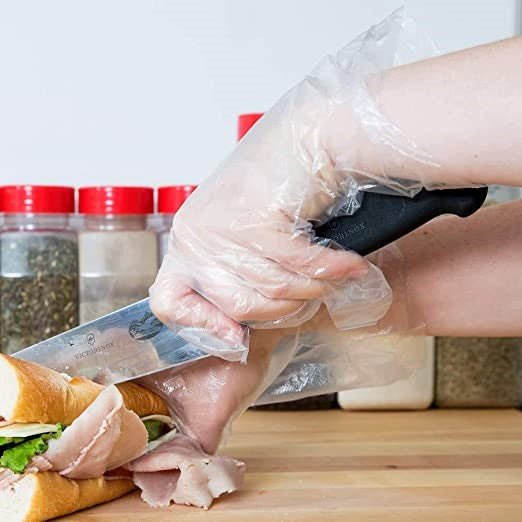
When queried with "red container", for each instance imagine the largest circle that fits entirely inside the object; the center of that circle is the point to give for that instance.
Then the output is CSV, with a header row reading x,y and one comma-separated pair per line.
x,y
245,122
171,198
116,200
36,199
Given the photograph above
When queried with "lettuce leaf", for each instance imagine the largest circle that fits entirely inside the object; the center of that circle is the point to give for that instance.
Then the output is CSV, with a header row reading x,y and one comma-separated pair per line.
x,y
155,429
17,457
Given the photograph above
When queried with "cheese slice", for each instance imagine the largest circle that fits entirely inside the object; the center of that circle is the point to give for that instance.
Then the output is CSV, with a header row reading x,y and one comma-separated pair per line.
x,y
26,430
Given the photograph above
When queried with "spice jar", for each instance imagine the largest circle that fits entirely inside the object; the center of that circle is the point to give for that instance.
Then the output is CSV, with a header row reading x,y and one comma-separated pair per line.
x,y
38,265
480,371
415,392
320,402
170,200
118,252
245,122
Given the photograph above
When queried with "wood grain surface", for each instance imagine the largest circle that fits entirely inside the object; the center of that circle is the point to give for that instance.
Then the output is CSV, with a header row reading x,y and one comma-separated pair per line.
x,y
428,466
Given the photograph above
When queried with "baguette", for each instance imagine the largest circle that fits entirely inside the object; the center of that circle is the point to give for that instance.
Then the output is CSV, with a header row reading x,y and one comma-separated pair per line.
x,y
142,401
34,393
42,496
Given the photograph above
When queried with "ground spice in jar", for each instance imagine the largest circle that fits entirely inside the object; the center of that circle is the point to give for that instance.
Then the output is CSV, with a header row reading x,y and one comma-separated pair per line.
x,y
480,371
118,253
38,266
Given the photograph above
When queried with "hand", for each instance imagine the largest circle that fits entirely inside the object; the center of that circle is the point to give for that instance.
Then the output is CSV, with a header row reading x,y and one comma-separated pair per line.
x,y
207,396
250,258
242,248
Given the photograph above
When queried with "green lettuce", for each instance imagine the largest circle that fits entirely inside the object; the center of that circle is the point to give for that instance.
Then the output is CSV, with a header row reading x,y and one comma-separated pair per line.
x,y
22,449
155,429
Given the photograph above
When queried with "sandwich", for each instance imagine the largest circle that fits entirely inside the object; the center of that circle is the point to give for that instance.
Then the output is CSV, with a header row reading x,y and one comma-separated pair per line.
x,y
68,443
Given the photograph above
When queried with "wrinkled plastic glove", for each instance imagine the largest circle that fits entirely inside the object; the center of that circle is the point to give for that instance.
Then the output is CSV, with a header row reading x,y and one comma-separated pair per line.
x,y
242,249
292,363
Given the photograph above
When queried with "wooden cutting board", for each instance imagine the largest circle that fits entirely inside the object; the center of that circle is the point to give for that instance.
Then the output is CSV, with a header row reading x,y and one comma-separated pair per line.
x,y
437,465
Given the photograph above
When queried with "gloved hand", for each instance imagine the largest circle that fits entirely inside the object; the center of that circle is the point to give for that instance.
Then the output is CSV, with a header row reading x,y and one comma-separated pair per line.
x,y
250,258
291,363
242,248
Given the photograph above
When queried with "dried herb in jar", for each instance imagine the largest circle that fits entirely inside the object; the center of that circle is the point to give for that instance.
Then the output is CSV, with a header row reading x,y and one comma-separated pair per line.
x,y
38,287
479,372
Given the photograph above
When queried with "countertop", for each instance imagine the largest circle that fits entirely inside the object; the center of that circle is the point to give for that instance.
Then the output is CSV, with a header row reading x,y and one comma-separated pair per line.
x,y
379,466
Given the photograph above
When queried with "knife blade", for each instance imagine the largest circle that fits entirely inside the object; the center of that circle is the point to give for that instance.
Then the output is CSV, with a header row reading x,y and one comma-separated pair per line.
x,y
123,345
132,342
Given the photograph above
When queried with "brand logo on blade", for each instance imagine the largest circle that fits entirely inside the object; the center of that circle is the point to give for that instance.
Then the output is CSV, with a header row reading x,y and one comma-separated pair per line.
x,y
95,350
145,328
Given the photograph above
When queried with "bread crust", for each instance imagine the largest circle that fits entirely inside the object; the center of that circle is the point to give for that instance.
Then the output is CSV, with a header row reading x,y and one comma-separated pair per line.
x,y
34,393
142,401
42,496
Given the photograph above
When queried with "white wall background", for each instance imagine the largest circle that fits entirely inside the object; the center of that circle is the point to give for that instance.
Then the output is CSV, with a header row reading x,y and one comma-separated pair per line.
x,y
147,92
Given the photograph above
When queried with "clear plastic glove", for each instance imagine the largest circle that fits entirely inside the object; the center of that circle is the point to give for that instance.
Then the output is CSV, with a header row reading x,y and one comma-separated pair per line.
x,y
292,363
242,249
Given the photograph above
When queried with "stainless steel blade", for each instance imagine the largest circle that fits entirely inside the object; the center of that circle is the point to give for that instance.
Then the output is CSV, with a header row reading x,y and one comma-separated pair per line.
x,y
123,345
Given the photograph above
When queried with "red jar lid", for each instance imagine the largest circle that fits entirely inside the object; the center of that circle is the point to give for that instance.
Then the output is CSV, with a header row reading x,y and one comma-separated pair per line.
x,y
116,200
36,199
245,122
171,198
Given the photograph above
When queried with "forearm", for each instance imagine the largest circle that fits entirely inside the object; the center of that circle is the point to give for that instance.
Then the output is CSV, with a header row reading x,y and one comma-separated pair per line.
x,y
463,275
462,111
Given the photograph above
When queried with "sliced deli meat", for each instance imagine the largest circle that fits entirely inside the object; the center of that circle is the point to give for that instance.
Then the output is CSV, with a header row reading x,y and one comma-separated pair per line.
x,y
105,436
180,471
157,488
8,477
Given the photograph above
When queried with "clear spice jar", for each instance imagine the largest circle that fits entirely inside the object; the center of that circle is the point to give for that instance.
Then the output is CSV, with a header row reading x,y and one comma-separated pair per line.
x,y
38,265
118,252
480,372
414,392
320,402
170,200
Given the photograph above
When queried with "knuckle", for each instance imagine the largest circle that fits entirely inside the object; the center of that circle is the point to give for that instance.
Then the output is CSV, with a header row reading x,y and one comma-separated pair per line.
x,y
240,315
276,292
161,306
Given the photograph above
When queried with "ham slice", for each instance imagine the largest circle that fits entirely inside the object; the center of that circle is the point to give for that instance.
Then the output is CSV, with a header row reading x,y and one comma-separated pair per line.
x,y
157,488
8,477
105,436
180,471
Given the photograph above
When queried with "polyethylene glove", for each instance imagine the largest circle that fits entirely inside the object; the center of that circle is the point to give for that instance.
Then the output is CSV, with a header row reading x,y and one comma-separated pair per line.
x,y
242,249
205,397
291,363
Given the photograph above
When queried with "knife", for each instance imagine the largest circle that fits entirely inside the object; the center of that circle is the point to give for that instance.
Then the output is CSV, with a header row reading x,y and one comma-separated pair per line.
x,y
131,342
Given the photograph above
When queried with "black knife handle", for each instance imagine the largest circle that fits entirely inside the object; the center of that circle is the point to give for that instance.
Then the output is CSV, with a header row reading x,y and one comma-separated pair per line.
x,y
384,218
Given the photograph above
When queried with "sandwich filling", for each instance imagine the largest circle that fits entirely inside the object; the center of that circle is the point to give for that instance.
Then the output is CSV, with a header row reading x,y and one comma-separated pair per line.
x,y
19,443
17,452
109,440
